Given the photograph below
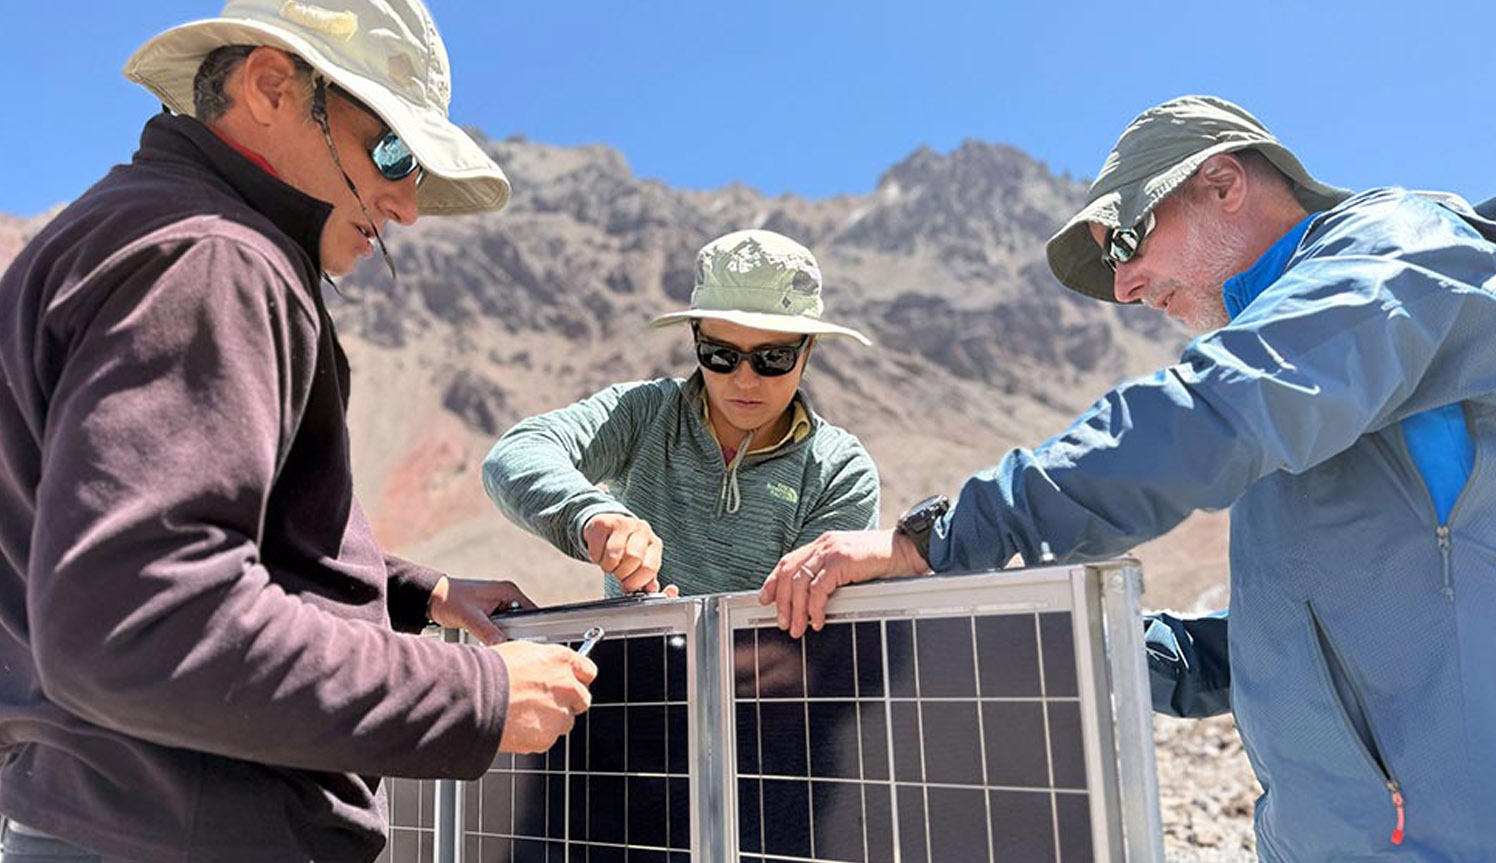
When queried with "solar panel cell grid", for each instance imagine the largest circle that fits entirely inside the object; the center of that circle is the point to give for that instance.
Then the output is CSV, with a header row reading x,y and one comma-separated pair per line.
x,y
972,750
412,821
617,787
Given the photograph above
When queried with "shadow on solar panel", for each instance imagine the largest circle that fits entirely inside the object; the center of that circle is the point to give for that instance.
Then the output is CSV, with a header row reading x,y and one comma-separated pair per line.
x,y
986,717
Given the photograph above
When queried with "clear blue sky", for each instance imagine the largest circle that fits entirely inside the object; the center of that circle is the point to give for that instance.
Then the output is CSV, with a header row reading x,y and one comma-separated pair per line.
x,y
817,97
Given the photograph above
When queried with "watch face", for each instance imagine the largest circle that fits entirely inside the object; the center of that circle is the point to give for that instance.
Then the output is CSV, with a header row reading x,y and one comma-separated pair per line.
x,y
923,514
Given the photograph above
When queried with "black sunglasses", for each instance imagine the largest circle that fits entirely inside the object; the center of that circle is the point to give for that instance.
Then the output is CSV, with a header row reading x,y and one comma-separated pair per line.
x,y
1123,244
769,362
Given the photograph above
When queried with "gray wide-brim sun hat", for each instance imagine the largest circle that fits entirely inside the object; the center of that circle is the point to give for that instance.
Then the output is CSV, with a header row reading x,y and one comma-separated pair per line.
x,y
762,280
386,53
1157,152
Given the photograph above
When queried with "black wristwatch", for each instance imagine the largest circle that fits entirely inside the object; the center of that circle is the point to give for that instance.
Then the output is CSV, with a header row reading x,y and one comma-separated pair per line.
x,y
919,521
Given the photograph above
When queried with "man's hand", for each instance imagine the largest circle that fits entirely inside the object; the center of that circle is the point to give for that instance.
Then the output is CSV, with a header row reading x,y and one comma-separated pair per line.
x,y
625,548
806,577
547,690
467,603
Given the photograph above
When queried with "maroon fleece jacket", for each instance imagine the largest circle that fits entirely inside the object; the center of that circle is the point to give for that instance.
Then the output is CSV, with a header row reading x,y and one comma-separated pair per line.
x,y
199,655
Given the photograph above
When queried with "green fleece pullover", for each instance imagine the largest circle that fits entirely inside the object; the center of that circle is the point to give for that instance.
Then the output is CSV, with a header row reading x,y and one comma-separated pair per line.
x,y
649,443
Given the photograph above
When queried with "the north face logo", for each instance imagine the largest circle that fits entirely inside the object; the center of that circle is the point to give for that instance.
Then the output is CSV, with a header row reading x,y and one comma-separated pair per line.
x,y
785,493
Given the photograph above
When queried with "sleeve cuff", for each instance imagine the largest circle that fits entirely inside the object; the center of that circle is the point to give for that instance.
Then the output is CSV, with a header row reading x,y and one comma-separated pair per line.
x,y
579,522
485,744
410,587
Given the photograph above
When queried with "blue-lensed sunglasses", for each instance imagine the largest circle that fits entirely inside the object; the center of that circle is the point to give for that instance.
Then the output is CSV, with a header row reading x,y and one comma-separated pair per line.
x,y
393,158
391,155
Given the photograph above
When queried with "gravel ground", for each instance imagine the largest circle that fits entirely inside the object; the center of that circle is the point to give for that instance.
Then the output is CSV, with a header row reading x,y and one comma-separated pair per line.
x,y
1206,791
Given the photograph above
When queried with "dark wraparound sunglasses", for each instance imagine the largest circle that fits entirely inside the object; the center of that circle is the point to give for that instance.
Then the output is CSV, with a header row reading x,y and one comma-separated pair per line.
x,y
391,155
769,362
1123,244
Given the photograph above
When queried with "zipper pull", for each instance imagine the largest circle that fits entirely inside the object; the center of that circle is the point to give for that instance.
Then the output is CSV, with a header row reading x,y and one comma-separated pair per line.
x,y
1442,532
1397,801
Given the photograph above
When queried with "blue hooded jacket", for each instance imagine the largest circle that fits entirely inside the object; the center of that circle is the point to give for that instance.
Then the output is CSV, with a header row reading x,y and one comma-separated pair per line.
x,y
1362,633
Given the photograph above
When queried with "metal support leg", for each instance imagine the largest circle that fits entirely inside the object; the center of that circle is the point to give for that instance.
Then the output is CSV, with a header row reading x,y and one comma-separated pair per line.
x,y
448,845
1142,819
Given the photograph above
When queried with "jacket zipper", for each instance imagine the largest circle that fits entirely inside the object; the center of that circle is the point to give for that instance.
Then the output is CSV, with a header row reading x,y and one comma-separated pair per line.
x,y
1372,747
1471,481
1442,532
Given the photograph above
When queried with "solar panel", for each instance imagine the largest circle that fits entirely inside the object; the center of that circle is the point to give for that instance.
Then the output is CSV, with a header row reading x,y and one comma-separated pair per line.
x,y
619,787
412,820
964,718
948,738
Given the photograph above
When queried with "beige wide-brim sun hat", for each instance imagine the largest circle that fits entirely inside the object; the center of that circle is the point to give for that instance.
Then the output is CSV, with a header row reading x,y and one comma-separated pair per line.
x,y
1157,152
762,280
386,53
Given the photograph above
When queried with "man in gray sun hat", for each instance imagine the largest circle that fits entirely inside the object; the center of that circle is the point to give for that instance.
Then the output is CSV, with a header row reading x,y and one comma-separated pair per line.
x,y
710,478
207,656
1341,399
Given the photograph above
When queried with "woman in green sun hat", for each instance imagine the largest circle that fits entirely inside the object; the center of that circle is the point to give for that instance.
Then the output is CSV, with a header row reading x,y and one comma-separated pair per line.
x,y
712,478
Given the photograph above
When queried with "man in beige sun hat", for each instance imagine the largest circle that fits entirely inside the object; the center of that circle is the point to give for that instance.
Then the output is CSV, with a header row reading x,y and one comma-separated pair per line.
x,y
386,55
1341,400
711,478
206,654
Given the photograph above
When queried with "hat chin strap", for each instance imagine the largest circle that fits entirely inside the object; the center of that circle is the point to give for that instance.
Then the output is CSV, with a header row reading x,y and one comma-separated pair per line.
x,y
319,113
